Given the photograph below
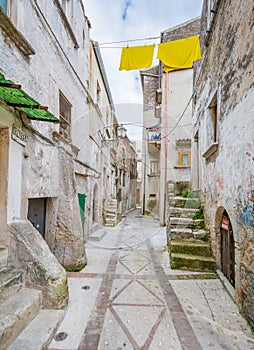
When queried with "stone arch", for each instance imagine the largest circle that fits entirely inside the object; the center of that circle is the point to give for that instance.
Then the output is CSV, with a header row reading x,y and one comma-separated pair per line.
x,y
95,204
218,219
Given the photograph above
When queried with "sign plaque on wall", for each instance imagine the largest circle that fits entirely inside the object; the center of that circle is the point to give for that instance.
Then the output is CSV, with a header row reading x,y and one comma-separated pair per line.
x,y
225,224
19,136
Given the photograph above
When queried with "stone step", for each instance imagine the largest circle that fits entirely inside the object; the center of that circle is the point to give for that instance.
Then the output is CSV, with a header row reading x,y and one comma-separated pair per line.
x,y
3,257
190,248
110,215
186,223
186,233
110,223
182,212
181,202
39,333
97,235
11,281
111,210
111,219
113,201
16,313
192,262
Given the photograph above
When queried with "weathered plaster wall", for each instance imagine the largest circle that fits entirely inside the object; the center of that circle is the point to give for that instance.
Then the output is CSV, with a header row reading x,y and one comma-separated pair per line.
x,y
57,65
177,87
227,177
14,180
150,185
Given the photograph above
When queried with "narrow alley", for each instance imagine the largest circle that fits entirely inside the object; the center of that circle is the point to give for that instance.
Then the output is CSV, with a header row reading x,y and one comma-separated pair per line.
x,y
129,298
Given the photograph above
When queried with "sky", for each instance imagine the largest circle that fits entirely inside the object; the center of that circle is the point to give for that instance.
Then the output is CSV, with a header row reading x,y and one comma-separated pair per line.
x,y
125,20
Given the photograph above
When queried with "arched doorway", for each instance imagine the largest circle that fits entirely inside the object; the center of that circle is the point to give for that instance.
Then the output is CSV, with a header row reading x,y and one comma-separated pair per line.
x,y
227,248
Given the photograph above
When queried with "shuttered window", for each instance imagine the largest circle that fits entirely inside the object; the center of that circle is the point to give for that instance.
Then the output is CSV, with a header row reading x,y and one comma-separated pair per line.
x,y
64,116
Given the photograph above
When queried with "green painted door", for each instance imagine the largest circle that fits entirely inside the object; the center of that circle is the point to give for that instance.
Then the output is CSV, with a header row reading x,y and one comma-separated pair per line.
x,y
82,202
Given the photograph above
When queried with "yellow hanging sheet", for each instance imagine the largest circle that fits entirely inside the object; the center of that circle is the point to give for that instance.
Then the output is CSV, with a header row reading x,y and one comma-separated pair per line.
x,y
136,57
179,54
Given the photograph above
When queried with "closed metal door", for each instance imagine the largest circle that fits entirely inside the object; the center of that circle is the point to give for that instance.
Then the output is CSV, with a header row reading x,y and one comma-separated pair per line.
x,y
227,250
37,214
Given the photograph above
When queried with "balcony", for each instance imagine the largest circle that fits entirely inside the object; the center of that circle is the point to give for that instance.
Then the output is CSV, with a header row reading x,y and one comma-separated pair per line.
x,y
154,141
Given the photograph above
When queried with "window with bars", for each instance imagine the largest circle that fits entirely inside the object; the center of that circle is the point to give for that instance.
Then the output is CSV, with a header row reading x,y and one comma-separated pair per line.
x,y
64,116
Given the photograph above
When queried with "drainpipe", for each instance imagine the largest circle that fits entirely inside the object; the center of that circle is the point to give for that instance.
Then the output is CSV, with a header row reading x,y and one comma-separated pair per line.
x,y
144,182
166,153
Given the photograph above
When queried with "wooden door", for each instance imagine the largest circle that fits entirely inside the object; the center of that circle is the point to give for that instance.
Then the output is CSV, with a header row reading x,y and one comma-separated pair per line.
x,y
227,249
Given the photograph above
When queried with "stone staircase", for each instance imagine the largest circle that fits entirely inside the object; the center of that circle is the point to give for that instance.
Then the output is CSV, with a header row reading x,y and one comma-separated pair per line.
x,y
111,217
23,322
187,238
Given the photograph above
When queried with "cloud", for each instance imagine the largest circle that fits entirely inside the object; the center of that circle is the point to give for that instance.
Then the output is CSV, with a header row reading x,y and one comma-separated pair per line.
x,y
128,3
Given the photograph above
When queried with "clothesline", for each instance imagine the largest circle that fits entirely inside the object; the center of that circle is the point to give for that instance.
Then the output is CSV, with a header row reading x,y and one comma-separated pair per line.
x,y
146,39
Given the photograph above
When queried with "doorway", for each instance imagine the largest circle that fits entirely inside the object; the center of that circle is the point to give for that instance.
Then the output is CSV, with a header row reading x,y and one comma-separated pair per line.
x,y
82,204
227,249
37,214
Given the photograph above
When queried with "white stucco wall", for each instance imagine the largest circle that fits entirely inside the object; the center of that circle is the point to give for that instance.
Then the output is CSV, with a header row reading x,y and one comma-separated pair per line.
x,y
176,125
14,180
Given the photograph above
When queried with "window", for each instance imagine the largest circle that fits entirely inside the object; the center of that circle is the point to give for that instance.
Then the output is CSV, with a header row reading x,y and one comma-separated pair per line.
x,y
153,168
184,158
123,155
212,5
212,127
64,5
123,179
213,119
98,91
4,5
64,116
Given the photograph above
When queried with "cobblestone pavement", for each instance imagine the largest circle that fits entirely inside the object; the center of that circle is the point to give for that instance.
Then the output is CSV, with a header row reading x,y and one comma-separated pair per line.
x,y
129,298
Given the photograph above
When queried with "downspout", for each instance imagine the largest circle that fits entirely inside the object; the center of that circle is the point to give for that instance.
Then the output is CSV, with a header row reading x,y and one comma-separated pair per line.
x,y
166,152
91,68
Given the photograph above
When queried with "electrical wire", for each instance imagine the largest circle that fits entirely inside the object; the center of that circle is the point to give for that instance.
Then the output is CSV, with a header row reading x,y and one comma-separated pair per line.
x,y
145,39
180,118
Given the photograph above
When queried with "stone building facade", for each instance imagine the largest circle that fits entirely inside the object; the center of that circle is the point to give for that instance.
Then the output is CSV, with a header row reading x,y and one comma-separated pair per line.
x,y
126,174
222,148
167,118
45,47
100,144
58,141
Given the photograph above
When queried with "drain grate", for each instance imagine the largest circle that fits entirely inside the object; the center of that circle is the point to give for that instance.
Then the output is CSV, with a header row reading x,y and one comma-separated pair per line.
x,y
61,336
86,287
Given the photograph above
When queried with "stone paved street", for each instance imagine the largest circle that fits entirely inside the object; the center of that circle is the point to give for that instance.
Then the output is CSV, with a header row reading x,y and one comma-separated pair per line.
x,y
129,298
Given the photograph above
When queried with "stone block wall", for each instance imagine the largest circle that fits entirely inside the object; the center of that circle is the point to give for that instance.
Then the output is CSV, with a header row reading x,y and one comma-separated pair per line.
x,y
224,78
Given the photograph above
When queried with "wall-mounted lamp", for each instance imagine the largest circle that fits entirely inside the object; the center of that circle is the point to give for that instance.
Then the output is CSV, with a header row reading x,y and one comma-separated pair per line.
x,y
121,132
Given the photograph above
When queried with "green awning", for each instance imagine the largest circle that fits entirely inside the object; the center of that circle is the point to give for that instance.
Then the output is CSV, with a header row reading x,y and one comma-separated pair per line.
x,y
38,114
12,95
